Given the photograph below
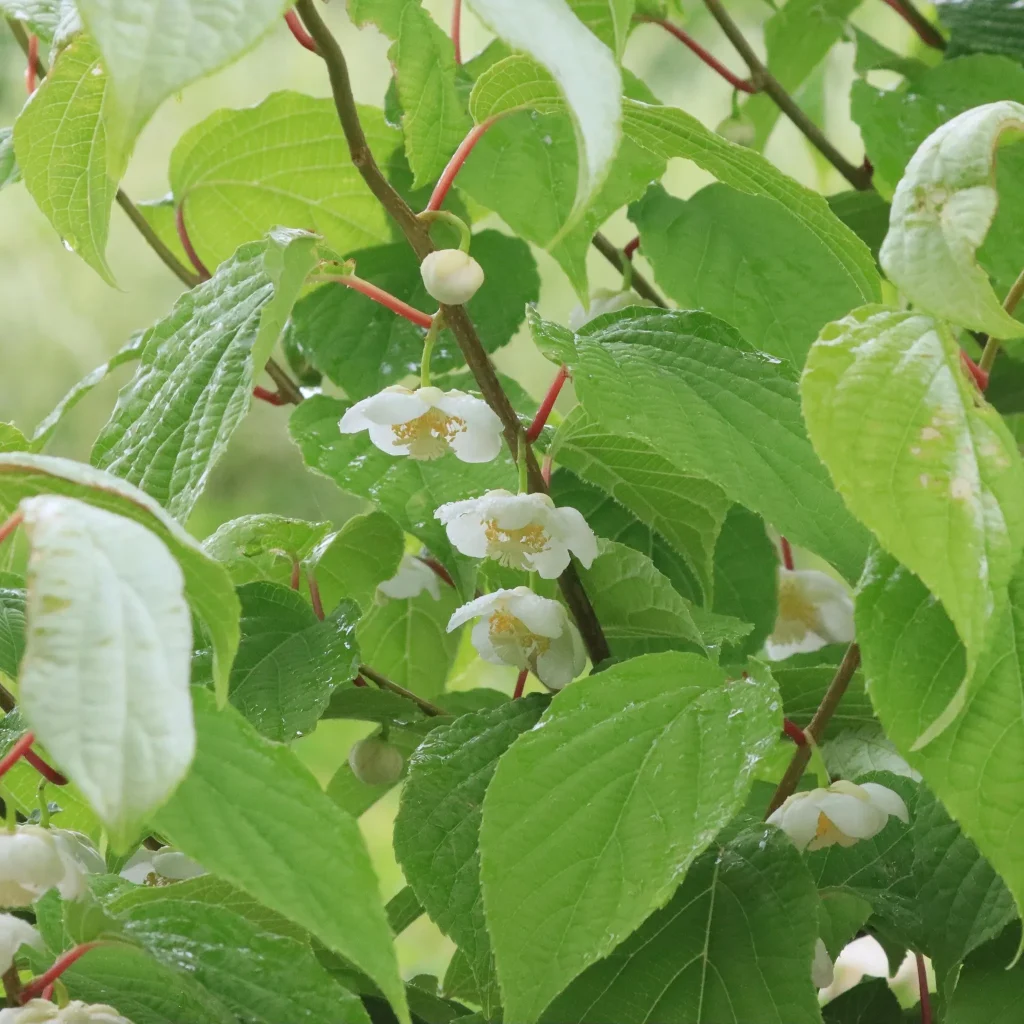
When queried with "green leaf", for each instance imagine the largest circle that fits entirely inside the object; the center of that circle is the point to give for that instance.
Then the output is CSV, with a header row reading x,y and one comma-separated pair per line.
x,y
406,489
609,20
687,384
797,37
437,830
866,214
12,439
39,17
434,118
747,259
154,48
261,976
584,68
353,562
914,663
252,814
686,510
12,629
406,640
641,613
942,210
734,945
864,749
264,546
933,471
875,56
841,916
869,1002
988,988
136,984
746,573
623,783
525,166
983,26
803,680
368,704
173,420
65,128
10,172
289,662
117,719
45,430
668,132
362,346
241,173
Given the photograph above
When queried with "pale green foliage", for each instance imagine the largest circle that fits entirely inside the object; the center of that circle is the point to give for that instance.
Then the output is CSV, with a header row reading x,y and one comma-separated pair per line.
x,y
941,212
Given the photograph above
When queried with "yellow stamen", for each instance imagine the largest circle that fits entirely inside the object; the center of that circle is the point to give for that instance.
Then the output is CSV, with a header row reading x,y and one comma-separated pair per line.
x,y
429,436
509,546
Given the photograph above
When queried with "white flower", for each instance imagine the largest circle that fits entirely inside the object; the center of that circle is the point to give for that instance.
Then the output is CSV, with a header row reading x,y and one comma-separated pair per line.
x,y
427,423
375,761
842,814
605,300
525,531
42,1011
451,276
814,610
413,577
34,860
80,859
519,628
150,866
822,970
15,933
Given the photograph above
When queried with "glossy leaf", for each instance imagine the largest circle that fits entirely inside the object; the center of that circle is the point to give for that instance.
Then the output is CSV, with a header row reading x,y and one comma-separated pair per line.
x,y
719,410
941,212
983,26
623,783
115,716
264,546
194,385
252,814
10,172
933,471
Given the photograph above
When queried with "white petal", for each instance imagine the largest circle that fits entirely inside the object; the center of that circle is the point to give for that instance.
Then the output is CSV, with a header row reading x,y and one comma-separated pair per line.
x,y
354,418
477,444
384,438
835,619
395,405
855,818
822,970
798,818
483,605
412,578
453,509
540,615
516,511
887,800
176,866
576,533
139,866
15,933
481,639
468,534
556,667
550,563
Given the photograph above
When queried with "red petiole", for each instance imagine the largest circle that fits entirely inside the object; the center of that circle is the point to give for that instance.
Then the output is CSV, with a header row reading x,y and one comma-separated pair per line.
x,y
396,305
39,985
186,243
712,62
547,405
444,183
302,37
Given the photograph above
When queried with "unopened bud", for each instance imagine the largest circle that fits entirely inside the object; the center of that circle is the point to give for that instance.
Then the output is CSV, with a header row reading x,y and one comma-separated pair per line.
x,y
739,129
451,276
375,761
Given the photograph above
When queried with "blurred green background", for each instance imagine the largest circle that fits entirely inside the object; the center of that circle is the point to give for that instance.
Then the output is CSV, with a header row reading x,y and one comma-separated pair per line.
x,y
59,320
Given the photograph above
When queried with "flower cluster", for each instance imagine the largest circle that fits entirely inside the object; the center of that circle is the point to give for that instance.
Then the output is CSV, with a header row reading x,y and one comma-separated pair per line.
x,y
42,1011
34,860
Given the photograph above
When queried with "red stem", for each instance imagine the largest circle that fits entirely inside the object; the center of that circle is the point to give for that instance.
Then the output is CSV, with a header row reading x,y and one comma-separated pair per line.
x,y
631,247
296,578
457,31
545,470
38,985
439,570
302,37
7,528
270,397
980,376
547,405
455,164
787,553
925,32
793,731
520,684
47,771
922,984
712,62
314,595
16,753
48,992
186,243
33,62
371,291
360,681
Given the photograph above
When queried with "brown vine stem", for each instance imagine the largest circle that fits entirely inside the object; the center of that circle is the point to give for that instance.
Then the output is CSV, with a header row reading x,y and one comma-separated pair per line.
x,y
386,684
458,321
765,81
925,30
614,256
816,730
284,383
991,349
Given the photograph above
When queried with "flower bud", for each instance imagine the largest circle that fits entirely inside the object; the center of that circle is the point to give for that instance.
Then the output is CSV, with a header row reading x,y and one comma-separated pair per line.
x,y
375,761
605,300
451,276
738,129
42,1011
